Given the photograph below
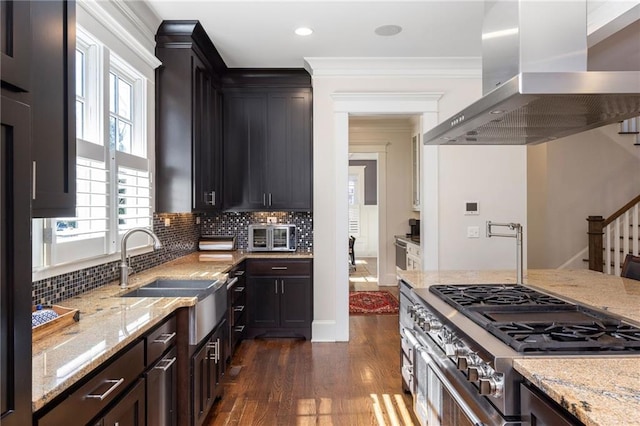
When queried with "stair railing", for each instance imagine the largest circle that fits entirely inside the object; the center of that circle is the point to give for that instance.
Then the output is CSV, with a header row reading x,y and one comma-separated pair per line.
x,y
612,238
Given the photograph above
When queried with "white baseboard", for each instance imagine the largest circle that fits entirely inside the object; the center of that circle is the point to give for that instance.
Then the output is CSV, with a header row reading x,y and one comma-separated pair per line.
x,y
323,331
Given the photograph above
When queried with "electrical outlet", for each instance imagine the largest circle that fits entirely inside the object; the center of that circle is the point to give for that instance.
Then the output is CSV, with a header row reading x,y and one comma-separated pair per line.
x,y
197,220
272,219
167,222
473,232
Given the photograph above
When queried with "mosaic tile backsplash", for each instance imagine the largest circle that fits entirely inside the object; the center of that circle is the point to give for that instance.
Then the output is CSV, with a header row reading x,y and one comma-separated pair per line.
x,y
231,223
178,239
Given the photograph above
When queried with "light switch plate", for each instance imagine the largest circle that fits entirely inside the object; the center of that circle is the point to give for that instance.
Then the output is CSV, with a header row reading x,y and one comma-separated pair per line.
x,y
167,222
473,232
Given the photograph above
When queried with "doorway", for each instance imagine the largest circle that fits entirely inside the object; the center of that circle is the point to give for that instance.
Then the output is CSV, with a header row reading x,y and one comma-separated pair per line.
x,y
363,221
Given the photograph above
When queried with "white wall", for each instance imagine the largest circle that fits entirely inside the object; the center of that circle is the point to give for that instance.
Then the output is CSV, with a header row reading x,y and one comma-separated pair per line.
x,y
331,316
592,173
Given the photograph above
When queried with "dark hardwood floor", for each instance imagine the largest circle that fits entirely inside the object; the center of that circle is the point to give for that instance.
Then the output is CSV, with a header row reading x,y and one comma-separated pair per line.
x,y
293,382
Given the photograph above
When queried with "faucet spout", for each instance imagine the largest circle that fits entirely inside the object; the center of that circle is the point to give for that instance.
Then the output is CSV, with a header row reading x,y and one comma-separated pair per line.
x,y
518,236
124,266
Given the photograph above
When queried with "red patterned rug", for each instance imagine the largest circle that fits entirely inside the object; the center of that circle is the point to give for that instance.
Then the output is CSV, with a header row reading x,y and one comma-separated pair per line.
x,y
372,302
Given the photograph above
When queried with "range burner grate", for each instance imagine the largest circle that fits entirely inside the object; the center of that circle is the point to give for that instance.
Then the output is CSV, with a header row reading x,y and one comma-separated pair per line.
x,y
462,296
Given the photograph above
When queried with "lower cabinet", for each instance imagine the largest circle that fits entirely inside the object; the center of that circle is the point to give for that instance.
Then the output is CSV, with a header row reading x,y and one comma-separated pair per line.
x,y
135,387
279,297
208,369
129,411
162,391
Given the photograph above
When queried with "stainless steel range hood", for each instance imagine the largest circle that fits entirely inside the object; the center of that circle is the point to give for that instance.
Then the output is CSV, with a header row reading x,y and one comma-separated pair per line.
x,y
535,80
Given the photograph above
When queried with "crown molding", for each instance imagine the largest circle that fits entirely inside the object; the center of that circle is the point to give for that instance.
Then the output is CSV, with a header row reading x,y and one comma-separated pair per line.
x,y
98,11
454,67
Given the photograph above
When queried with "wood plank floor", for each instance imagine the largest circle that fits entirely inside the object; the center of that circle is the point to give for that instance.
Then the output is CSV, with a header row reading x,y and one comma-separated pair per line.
x,y
293,382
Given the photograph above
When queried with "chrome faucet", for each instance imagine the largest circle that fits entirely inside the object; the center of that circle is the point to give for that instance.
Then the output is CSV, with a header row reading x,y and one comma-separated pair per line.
x,y
124,266
518,236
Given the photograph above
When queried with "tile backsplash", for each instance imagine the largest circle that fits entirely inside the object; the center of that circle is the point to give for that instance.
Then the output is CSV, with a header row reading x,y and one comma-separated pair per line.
x,y
178,239
231,223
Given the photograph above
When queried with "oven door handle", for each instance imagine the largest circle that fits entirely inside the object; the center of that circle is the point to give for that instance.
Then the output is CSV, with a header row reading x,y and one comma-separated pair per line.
x,y
428,359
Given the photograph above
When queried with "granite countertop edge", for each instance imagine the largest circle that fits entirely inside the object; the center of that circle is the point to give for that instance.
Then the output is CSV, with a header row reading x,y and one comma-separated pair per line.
x,y
101,307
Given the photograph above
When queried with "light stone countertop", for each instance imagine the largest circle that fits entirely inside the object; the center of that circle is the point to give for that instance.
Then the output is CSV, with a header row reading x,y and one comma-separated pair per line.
x,y
108,323
598,390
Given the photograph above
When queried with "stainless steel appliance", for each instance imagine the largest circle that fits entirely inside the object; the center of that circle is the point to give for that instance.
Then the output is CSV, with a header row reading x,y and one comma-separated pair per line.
x,y
401,254
536,84
217,243
463,340
271,237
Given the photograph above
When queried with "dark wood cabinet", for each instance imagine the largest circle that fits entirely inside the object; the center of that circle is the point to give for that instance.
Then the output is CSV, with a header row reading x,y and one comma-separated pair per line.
x,y
237,308
189,120
15,268
208,369
267,149
279,297
15,45
52,94
129,411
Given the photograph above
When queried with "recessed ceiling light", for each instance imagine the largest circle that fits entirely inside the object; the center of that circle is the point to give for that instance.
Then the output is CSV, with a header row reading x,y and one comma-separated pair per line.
x,y
388,30
303,31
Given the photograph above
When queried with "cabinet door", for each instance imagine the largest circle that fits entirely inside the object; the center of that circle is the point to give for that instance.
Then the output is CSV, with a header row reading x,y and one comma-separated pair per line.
x,y
245,133
130,410
204,196
162,389
15,42
295,303
202,389
53,44
263,301
15,269
289,155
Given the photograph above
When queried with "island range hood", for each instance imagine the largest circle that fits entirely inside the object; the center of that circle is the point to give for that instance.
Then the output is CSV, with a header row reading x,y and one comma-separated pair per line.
x,y
535,80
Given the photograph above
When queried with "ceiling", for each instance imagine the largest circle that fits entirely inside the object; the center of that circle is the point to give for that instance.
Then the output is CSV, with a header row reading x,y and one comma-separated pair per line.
x,y
260,33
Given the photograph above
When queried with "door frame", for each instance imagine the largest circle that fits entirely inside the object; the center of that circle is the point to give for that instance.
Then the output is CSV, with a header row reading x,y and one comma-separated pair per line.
x,y
363,103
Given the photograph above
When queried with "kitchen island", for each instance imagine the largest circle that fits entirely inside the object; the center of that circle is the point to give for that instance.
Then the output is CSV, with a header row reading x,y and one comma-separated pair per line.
x,y
109,323
598,390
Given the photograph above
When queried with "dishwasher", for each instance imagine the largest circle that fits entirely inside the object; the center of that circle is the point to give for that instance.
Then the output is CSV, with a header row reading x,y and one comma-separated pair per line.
x,y
401,254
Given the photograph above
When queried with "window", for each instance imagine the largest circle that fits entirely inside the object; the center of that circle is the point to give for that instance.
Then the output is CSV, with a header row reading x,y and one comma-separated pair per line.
x,y
113,175
355,193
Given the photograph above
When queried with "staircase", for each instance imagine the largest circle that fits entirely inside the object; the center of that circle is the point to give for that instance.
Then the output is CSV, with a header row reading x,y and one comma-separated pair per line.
x,y
612,238
631,126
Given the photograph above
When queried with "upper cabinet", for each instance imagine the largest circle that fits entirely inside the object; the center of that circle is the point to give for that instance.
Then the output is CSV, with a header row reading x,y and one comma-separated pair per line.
x,y
52,94
268,143
15,42
189,119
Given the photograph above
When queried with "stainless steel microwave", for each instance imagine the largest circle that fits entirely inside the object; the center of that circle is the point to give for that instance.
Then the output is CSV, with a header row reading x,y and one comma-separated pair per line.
x,y
272,237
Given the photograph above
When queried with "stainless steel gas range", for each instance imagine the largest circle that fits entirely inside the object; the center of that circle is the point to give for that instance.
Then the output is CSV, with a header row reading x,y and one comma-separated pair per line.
x,y
459,343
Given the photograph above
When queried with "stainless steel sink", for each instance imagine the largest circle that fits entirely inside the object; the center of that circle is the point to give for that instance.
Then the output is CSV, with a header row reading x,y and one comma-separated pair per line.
x,y
181,284
165,292
205,314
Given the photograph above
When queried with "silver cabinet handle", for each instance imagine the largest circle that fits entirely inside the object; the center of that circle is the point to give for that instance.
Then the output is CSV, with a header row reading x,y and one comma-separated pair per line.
x,y
269,199
282,285
113,387
264,199
275,284
239,308
239,328
278,268
239,289
239,273
33,195
213,198
167,338
169,363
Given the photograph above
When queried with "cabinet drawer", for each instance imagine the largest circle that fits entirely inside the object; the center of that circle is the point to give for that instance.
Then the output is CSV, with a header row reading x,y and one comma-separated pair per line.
x,y
413,249
159,340
237,294
99,391
279,268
